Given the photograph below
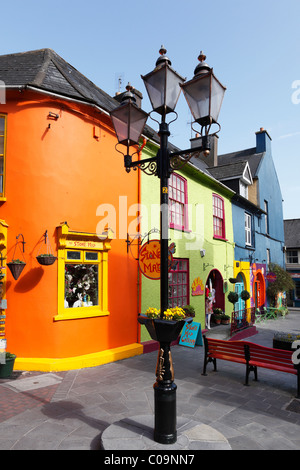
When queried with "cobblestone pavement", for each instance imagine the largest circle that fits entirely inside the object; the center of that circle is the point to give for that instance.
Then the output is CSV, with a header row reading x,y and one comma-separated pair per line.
x,y
70,410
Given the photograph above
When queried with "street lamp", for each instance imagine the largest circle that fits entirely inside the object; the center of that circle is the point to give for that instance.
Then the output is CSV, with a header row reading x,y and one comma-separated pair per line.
x,y
204,95
128,121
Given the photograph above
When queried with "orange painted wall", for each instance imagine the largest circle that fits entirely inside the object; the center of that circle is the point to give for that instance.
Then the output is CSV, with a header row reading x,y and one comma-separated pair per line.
x,y
56,175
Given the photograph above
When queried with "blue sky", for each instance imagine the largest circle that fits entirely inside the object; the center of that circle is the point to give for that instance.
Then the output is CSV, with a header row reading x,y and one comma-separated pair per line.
x,y
254,48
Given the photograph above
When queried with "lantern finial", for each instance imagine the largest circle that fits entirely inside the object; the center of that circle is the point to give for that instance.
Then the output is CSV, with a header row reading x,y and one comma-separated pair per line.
x,y
163,58
203,67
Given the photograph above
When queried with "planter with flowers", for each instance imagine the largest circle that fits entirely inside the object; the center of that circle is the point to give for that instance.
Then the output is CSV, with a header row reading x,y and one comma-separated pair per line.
x,y
225,319
164,328
217,315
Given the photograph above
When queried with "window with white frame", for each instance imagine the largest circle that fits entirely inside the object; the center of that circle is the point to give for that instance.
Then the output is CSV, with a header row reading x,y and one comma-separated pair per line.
x,y
244,190
178,217
248,238
266,206
292,256
218,217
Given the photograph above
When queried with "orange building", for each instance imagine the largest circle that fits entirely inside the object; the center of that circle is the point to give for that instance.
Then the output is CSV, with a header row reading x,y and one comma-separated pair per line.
x,y
59,175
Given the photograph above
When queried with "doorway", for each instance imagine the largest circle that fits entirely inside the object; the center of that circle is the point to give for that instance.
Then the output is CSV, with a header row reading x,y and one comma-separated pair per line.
x,y
259,290
214,283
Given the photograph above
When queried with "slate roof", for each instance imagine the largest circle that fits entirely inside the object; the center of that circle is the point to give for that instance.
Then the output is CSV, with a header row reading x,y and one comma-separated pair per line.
x,y
248,155
45,70
229,171
292,233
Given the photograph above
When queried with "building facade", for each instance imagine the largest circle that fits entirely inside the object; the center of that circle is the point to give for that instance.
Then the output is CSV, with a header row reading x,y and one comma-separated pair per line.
x,y
292,243
257,216
62,189
200,239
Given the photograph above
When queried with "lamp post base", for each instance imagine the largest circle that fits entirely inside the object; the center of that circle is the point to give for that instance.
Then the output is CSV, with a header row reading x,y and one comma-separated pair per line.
x,y
165,413
164,331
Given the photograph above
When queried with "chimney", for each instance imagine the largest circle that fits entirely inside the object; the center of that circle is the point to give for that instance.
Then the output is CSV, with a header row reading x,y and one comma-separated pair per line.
x,y
137,94
212,159
263,141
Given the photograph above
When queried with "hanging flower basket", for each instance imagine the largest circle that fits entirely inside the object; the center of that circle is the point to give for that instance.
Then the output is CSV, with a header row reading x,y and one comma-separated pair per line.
x,y
16,267
46,259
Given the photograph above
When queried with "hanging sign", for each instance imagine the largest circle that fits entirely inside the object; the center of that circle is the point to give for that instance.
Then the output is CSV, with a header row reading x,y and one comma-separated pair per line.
x,y
149,259
271,277
191,335
197,287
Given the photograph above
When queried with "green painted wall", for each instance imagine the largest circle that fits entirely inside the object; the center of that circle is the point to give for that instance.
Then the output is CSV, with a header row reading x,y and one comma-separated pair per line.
x,y
219,254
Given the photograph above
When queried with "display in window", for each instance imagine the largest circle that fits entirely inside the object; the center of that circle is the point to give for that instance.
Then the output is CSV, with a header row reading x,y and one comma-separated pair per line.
x,y
81,285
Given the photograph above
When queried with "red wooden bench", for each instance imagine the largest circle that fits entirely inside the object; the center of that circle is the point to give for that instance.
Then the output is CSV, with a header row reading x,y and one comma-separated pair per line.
x,y
232,351
252,355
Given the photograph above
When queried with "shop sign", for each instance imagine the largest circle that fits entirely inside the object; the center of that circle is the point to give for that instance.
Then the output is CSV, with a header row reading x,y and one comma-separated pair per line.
x,y
191,335
149,259
83,244
295,275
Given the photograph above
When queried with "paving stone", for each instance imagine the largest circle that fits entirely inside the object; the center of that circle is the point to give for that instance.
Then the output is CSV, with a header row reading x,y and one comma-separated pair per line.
x,y
83,404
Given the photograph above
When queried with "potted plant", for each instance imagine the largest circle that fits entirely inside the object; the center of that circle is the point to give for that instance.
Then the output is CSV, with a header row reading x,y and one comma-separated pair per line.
x,y
46,259
189,311
16,266
225,319
217,318
7,368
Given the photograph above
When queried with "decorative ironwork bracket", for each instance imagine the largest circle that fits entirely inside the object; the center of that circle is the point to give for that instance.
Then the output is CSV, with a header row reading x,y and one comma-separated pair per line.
x,y
177,160
148,166
139,239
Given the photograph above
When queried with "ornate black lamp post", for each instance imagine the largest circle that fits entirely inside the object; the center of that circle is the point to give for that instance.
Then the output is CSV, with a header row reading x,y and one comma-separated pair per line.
x,y
204,94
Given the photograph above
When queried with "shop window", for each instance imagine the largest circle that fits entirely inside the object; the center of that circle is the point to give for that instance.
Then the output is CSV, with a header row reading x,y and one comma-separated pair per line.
x,y
82,274
218,217
179,283
2,155
178,202
81,282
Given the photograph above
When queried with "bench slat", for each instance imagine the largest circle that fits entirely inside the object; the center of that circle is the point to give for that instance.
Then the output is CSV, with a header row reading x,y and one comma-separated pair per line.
x,y
289,369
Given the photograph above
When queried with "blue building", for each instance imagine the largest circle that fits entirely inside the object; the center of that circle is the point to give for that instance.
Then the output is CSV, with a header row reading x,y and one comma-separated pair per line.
x,y
257,215
292,243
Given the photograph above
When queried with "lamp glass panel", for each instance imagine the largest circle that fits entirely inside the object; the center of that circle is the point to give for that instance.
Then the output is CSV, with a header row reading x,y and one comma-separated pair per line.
x,y
173,89
197,94
217,95
138,120
120,119
155,84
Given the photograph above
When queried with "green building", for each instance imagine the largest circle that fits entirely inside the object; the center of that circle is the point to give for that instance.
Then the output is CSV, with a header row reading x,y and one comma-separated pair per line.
x,y
200,226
